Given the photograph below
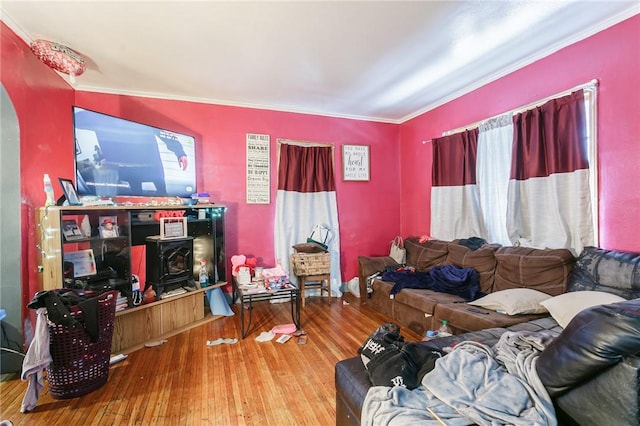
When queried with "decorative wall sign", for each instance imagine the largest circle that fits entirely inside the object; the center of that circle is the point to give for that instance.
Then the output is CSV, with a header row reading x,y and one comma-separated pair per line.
x,y
355,162
258,169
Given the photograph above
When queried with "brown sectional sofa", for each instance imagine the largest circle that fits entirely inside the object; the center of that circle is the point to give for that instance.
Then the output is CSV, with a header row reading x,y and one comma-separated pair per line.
x,y
601,344
499,268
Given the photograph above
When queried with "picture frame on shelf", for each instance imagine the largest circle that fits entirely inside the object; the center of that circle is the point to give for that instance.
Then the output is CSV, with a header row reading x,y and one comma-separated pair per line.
x,y
70,230
69,191
355,163
173,227
108,227
84,262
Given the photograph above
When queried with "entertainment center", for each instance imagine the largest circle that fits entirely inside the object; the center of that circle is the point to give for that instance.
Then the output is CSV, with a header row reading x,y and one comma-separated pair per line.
x,y
90,247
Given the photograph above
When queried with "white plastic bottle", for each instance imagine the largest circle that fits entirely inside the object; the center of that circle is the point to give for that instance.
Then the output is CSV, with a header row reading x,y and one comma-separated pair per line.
x,y
444,329
203,275
48,191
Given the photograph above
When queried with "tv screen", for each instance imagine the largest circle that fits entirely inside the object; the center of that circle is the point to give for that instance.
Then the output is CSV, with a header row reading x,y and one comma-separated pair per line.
x,y
118,157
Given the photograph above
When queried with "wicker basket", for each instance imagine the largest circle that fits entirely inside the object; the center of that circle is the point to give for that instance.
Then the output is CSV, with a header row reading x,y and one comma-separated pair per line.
x,y
305,264
80,366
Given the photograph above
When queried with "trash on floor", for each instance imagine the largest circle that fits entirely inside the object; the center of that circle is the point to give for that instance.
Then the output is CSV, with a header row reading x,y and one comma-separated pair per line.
x,y
117,358
265,336
155,343
221,341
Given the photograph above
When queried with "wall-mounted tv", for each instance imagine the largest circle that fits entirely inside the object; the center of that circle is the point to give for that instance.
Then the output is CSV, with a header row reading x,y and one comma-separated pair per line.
x,y
118,157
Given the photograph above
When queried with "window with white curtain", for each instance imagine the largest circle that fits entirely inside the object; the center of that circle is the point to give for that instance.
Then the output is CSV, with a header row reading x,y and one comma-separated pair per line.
x,y
493,167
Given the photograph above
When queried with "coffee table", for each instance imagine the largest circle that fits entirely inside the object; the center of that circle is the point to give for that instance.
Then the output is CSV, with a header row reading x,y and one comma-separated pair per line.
x,y
249,295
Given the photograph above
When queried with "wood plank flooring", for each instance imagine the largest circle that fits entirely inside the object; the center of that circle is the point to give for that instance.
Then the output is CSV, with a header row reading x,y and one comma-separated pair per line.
x,y
185,382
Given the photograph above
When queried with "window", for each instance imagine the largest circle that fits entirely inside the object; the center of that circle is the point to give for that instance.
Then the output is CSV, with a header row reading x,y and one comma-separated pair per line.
x,y
501,205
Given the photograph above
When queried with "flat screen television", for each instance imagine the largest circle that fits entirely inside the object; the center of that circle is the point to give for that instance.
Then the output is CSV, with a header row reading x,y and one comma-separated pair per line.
x,y
118,157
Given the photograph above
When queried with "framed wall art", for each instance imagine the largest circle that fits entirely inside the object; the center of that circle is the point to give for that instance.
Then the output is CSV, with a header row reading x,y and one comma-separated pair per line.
x,y
355,162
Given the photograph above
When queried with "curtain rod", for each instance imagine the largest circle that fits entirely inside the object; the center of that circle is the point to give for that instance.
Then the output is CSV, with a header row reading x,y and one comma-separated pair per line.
x,y
592,83
302,143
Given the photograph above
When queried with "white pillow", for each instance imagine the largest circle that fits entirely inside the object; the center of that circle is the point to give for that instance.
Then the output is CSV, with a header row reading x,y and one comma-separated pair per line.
x,y
514,301
567,305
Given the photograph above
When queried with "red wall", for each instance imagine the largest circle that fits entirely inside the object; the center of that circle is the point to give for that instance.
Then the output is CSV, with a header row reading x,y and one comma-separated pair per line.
x,y
611,56
42,102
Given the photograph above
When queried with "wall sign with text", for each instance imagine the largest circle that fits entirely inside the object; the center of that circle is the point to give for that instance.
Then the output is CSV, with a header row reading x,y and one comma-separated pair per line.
x,y
355,162
258,169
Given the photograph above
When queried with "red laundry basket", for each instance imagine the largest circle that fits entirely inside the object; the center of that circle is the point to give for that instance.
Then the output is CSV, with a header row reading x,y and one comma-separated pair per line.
x,y
79,365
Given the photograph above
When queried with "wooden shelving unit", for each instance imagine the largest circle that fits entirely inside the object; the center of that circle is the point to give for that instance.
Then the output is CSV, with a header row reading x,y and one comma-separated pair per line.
x,y
157,320
160,320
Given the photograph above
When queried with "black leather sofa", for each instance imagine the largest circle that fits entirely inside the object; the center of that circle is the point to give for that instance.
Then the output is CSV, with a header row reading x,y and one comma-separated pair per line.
x,y
606,356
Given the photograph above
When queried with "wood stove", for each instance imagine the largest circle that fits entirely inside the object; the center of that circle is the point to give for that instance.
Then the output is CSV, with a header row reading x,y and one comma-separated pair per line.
x,y
169,264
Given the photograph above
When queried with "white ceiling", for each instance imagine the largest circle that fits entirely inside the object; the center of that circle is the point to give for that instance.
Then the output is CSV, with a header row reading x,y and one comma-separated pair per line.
x,y
377,60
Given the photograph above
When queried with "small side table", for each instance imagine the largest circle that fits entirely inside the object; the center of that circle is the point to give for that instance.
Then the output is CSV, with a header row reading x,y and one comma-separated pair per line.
x,y
320,281
249,296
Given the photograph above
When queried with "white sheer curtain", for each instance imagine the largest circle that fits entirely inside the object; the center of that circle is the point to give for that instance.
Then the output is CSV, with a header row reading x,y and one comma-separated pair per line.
x,y
495,139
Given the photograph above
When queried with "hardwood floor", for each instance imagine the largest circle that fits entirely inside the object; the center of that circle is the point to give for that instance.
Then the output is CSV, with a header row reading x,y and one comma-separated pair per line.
x,y
185,382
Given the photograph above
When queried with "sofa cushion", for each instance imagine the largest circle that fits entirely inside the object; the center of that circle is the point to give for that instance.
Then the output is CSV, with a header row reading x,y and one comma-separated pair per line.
x,y
545,270
541,324
414,307
514,301
595,339
425,300
424,256
483,260
463,318
566,306
612,271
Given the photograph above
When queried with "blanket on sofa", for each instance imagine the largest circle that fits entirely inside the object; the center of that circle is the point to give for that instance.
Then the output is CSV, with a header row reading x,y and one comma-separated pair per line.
x,y
474,384
463,282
